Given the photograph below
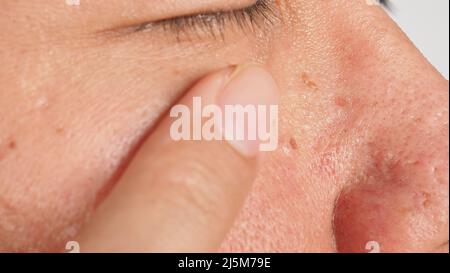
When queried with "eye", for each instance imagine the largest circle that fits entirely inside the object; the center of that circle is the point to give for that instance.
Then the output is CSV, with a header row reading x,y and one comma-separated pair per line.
x,y
214,24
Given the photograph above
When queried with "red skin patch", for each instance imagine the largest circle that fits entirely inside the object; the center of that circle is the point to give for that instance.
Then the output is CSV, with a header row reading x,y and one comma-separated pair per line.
x,y
340,101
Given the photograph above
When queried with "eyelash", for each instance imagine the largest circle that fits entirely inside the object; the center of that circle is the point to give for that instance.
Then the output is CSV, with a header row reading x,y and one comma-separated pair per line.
x,y
215,23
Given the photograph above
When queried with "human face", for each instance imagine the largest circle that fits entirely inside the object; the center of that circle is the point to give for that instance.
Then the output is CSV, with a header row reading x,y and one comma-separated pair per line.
x,y
363,145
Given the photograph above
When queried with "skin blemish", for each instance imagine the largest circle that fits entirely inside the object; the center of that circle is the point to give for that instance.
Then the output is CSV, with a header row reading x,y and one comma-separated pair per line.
x,y
340,101
12,145
7,146
308,82
59,130
293,143
424,199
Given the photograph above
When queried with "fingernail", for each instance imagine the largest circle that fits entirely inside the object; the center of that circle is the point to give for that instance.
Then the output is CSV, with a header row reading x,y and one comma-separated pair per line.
x,y
249,88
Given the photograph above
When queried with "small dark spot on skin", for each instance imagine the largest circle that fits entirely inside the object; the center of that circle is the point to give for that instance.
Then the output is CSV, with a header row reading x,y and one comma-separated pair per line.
x,y
293,143
4,147
12,145
426,197
59,130
177,72
340,101
308,82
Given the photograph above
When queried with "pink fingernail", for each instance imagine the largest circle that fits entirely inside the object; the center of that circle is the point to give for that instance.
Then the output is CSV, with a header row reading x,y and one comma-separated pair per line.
x,y
252,89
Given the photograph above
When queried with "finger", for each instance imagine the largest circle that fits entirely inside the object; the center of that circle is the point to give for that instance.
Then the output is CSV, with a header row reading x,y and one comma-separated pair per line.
x,y
183,196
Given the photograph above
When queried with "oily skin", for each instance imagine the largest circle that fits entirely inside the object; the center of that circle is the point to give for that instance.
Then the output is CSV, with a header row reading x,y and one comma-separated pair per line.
x,y
363,151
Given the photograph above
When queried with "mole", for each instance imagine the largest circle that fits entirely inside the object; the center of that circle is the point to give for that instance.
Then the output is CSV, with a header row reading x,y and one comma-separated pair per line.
x,y
59,130
293,143
12,145
308,82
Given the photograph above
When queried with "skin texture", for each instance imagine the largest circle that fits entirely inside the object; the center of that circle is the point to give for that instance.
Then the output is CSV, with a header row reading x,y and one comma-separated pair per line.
x,y
363,147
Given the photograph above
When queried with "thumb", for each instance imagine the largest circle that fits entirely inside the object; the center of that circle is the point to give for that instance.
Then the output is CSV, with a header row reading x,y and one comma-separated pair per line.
x,y
179,195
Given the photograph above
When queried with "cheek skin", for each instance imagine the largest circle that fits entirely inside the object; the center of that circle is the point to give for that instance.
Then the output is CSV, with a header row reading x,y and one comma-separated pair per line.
x,y
74,113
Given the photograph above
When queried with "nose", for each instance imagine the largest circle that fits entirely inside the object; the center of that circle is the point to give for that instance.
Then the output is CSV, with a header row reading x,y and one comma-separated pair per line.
x,y
399,201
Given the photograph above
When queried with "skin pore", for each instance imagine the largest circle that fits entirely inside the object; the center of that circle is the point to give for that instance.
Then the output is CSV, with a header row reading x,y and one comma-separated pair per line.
x,y
363,147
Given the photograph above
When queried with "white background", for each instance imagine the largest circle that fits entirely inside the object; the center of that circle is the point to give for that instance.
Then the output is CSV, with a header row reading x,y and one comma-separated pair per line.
x,y
427,24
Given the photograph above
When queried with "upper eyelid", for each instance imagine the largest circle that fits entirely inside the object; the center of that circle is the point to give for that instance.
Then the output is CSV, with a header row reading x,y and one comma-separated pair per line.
x,y
214,22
